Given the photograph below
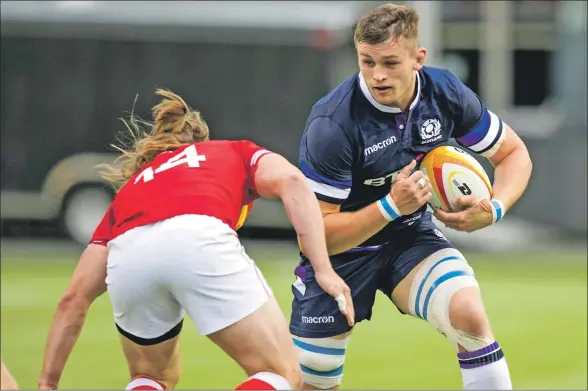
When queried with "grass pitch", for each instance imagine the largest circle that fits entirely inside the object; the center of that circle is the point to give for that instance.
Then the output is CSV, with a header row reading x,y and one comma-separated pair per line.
x,y
537,304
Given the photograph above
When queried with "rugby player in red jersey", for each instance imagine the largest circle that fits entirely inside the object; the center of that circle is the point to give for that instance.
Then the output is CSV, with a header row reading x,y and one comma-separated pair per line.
x,y
167,245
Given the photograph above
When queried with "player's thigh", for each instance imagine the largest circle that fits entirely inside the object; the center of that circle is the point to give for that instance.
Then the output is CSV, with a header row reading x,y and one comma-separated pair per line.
x,y
442,289
221,285
418,248
315,314
260,342
229,300
140,270
159,361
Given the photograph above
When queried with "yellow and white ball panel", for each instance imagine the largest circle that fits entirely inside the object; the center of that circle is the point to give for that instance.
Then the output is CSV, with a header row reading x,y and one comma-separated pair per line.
x,y
454,173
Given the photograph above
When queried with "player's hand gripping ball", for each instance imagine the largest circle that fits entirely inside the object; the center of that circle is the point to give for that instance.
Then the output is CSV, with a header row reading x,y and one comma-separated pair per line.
x,y
461,189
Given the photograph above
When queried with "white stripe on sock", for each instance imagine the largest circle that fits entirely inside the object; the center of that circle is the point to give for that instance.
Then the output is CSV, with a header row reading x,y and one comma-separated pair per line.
x,y
273,379
143,381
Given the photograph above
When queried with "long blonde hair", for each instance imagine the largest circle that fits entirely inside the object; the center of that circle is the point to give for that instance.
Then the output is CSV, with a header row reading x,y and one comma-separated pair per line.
x,y
174,125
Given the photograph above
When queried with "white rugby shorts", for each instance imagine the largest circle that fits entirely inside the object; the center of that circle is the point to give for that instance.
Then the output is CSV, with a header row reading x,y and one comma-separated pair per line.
x,y
188,263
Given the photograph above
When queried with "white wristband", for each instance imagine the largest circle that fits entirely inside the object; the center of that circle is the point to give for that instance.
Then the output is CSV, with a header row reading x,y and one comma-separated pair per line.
x,y
497,210
388,208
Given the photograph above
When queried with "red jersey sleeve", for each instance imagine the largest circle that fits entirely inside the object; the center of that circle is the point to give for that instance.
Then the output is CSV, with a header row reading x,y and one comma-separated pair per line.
x,y
103,233
252,153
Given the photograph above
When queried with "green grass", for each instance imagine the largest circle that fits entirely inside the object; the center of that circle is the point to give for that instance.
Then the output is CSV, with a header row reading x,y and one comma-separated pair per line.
x,y
537,306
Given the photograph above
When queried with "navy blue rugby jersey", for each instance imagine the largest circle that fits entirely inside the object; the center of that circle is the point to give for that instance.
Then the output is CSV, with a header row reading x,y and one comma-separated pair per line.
x,y
352,146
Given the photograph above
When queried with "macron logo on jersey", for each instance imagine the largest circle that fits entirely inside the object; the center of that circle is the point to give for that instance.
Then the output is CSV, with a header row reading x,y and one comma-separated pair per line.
x,y
381,145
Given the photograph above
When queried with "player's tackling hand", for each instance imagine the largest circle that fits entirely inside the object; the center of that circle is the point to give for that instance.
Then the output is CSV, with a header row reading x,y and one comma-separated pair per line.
x,y
410,190
476,215
336,287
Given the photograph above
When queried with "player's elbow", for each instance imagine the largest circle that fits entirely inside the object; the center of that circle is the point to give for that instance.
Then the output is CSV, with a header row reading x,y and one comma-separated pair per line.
x,y
525,158
292,182
528,159
74,301
295,178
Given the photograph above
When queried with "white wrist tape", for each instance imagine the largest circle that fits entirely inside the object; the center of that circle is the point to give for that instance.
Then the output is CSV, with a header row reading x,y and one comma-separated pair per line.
x,y
497,210
388,208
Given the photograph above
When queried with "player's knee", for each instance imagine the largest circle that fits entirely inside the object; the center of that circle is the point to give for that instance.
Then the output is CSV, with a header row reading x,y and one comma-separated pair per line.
x,y
289,370
273,359
445,293
321,360
466,312
294,377
172,379
168,376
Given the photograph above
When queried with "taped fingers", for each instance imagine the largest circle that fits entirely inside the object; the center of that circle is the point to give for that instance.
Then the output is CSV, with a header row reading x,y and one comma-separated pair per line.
x,y
345,303
342,303
423,190
422,182
417,176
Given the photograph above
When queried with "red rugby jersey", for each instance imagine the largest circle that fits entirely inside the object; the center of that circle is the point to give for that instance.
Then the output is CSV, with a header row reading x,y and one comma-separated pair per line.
x,y
213,178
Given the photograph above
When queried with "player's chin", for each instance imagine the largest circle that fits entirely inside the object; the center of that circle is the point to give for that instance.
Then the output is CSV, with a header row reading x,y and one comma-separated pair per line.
x,y
384,96
388,100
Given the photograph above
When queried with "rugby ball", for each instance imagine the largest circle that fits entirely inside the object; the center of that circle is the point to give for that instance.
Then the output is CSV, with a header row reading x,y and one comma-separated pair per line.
x,y
454,173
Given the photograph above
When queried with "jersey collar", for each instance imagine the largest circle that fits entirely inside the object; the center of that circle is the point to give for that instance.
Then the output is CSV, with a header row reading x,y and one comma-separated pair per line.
x,y
384,108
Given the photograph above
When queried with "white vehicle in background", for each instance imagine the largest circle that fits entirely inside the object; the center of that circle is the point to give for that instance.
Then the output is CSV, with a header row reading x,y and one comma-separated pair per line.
x,y
71,194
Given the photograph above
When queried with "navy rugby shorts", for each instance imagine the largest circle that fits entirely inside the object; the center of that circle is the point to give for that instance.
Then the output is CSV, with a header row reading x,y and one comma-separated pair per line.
x,y
365,270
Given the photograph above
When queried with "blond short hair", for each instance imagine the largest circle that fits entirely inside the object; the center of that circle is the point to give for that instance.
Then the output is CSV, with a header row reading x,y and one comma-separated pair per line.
x,y
385,22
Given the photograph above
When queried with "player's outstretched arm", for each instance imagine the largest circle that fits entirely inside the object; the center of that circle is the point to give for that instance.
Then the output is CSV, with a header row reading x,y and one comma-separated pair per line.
x,y
275,177
88,283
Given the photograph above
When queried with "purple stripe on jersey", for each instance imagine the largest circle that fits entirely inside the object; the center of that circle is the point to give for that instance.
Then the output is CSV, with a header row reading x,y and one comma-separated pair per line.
x,y
362,249
491,145
478,132
300,271
478,353
312,174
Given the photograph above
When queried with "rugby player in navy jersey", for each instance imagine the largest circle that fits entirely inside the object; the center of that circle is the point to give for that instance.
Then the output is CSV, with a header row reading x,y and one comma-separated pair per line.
x,y
361,146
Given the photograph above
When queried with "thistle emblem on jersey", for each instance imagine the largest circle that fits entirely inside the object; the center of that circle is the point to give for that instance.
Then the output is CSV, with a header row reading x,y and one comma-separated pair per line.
x,y
431,131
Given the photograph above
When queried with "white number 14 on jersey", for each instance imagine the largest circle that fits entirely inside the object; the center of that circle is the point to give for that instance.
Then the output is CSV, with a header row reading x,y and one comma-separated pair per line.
x,y
188,155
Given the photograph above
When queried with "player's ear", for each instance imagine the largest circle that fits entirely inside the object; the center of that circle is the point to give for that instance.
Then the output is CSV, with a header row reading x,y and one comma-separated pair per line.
x,y
420,56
